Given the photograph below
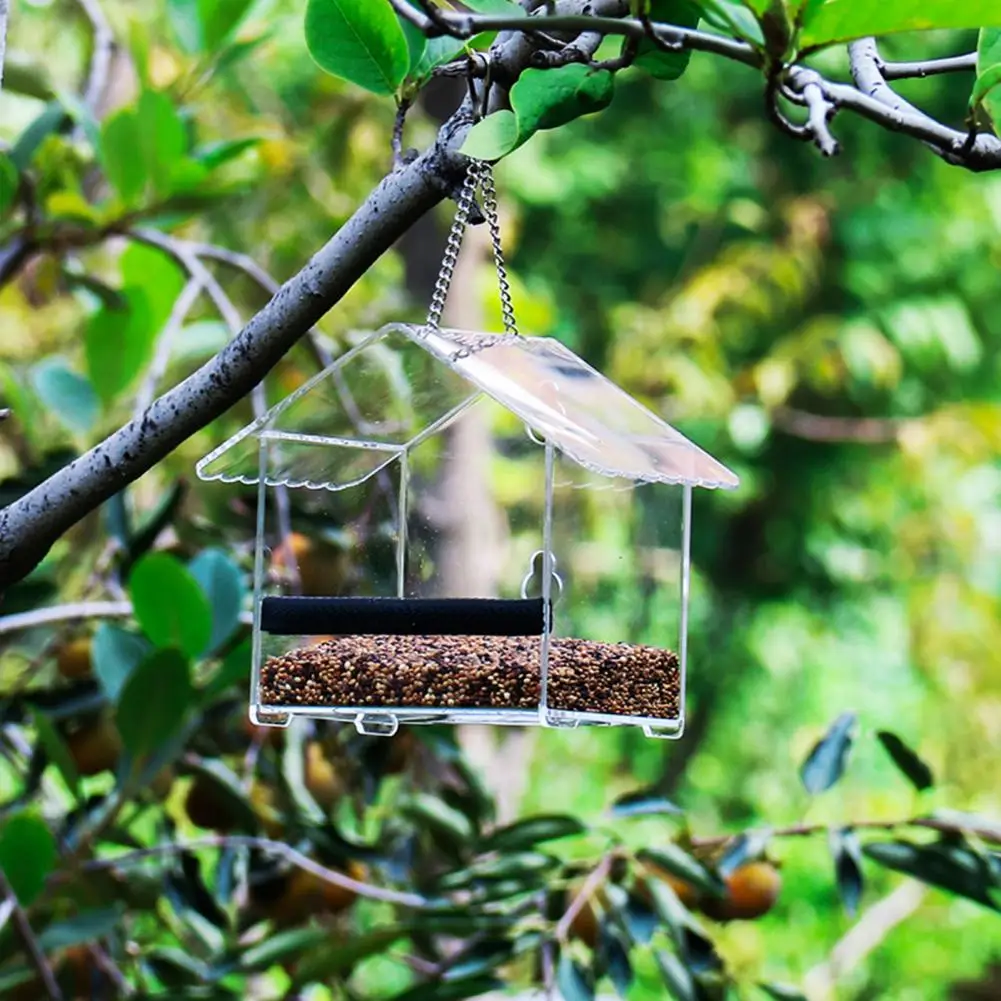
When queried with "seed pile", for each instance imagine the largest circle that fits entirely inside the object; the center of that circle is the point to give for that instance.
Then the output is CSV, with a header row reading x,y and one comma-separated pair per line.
x,y
475,672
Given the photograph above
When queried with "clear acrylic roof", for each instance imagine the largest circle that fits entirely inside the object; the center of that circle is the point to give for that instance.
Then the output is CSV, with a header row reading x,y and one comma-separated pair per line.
x,y
404,383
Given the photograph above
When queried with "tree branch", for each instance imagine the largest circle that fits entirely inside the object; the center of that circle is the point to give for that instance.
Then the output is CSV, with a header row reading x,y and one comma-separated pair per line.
x,y
269,847
816,427
877,101
100,59
28,939
985,831
930,67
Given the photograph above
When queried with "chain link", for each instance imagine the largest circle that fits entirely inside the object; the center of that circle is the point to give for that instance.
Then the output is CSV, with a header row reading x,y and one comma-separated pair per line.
x,y
479,175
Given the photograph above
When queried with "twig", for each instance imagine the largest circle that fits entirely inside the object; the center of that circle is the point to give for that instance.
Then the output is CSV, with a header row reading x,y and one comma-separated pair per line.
x,y
30,942
589,887
864,936
816,427
182,306
64,613
100,60
266,845
930,67
990,833
398,125
4,12
466,25
71,612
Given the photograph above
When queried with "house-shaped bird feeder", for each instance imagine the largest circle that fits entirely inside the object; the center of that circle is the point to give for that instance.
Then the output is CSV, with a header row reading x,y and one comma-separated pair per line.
x,y
357,623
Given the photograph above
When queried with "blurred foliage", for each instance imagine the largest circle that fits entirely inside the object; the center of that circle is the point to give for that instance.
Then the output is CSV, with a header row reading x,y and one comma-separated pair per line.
x,y
827,328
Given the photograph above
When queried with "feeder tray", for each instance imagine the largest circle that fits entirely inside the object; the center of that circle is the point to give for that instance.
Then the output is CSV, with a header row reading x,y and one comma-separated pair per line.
x,y
458,670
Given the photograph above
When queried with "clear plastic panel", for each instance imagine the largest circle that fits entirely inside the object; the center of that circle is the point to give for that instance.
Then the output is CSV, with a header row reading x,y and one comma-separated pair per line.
x,y
379,396
565,400
621,561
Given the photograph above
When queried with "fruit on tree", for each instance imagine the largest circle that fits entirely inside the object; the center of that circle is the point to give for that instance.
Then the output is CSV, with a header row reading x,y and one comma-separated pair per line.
x,y
94,746
751,892
73,659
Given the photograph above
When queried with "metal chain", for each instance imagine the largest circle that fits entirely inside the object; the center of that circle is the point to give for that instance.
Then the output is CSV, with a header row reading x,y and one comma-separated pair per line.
x,y
478,175
493,221
455,234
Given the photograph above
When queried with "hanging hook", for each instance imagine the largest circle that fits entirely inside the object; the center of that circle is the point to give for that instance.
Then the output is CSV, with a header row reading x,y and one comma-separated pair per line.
x,y
531,574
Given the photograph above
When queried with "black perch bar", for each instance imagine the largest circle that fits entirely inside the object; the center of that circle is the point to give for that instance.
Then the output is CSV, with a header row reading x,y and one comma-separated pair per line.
x,y
296,616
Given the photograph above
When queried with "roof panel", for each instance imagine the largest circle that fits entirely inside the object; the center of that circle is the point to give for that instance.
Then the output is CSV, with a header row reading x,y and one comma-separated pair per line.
x,y
586,416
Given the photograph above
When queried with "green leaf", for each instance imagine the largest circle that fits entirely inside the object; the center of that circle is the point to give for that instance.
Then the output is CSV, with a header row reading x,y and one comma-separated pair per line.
x,y
547,99
843,20
82,928
492,137
825,764
115,654
235,668
117,344
162,140
335,959
847,857
8,183
221,580
907,760
69,396
572,981
358,40
655,61
643,803
678,862
277,947
429,811
985,89
220,20
157,276
27,854
522,866
214,155
119,144
733,19
677,979
454,990
57,752
526,833
154,702
50,120
950,866
169,605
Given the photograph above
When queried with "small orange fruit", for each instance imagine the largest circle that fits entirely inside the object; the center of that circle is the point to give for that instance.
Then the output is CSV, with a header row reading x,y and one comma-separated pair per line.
x,y
752,890
322,780
95,747
585,925
73,659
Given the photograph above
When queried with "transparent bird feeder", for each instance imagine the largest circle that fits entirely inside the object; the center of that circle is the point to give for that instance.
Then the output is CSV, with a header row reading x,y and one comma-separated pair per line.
x,y
363,481
589,625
